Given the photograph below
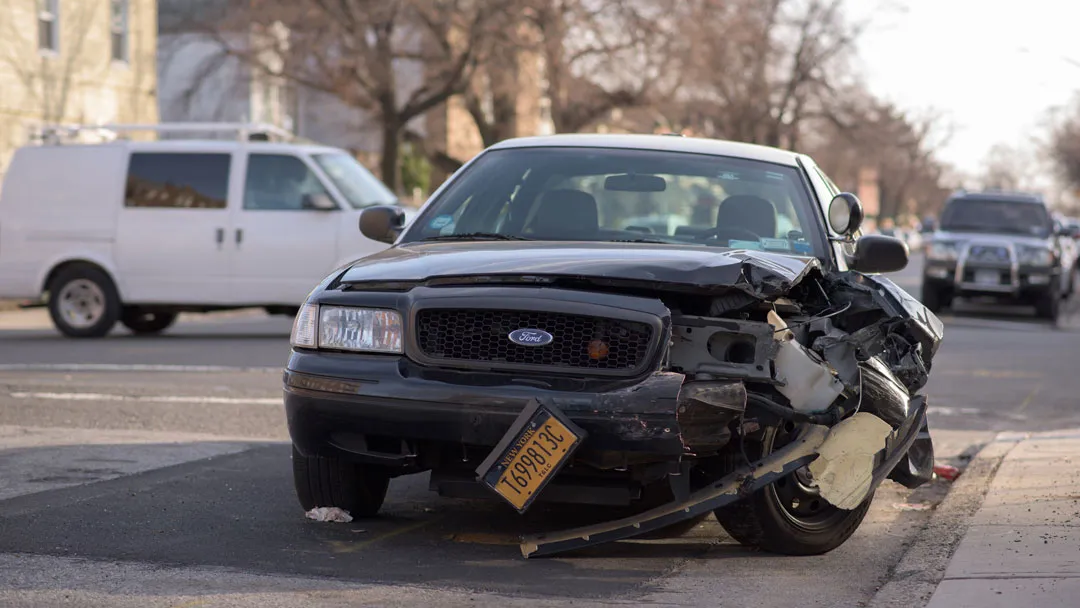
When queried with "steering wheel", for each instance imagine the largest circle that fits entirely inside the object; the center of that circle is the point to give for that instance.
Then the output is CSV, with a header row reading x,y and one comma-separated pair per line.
x,y
736,232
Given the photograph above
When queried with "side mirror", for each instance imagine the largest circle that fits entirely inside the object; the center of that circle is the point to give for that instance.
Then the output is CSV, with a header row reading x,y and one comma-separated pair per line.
x,y
319,201
879,253
382,223
845,214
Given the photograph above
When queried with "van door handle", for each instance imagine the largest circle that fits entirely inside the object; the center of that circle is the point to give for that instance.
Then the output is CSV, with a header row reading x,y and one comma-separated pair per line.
x,y
220,236
239,236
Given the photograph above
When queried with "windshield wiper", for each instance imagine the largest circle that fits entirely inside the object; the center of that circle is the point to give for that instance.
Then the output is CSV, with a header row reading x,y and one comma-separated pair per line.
x,y
477,236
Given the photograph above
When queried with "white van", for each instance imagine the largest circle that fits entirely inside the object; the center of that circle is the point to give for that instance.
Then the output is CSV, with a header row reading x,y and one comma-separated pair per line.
x,y
138,232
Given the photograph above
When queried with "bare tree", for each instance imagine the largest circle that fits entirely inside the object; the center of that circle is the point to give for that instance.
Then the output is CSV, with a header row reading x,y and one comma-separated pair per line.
x,y
758,69
1063,147
1006,167
391,59
599,56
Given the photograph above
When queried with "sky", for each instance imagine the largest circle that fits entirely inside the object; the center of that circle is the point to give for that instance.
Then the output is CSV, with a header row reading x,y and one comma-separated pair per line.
x,y
992,67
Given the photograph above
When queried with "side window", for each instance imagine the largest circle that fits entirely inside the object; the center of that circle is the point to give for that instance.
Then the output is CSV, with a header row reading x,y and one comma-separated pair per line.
x,y
177,180
280,182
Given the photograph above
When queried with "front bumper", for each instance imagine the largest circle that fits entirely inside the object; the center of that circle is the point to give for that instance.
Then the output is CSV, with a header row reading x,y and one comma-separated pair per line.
x,y
969,279
365,407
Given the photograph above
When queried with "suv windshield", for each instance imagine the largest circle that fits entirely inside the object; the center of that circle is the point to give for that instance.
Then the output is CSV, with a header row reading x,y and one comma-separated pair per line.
x,y
998,216
601,194
359,187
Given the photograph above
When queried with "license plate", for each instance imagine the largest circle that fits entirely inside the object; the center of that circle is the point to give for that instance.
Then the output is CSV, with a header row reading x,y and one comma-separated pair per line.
x,y
529,456
987,277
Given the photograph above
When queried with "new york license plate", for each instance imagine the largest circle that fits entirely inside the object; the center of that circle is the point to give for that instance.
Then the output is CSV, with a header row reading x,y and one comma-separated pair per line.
x,y
529,456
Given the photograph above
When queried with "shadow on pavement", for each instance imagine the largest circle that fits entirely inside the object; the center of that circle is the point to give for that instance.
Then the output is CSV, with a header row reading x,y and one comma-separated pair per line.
x,y
239,511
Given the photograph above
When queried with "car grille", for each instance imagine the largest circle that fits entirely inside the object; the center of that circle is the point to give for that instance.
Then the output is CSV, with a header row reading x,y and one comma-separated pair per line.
x,y
987,254
579,341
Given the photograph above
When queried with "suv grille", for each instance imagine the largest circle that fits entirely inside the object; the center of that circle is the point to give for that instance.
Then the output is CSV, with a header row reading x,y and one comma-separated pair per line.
x,y
482,336
988,254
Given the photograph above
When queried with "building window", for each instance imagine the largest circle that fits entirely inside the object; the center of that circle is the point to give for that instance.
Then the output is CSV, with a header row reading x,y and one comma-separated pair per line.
x,y
118,26
49,25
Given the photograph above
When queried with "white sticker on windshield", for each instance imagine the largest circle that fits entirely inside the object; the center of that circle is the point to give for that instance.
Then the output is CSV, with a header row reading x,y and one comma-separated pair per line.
x,y
448,229
440,221
728,175
781,244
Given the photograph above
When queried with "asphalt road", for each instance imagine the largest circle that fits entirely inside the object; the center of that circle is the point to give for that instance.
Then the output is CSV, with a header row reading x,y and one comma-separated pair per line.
x,y
155,471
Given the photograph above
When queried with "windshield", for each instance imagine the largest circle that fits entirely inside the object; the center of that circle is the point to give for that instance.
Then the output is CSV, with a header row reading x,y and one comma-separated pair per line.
x,y
359,187
600,194
1008,217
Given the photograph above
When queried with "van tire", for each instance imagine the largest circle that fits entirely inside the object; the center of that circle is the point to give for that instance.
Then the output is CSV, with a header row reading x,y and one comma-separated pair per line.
x,y
83,302
143,323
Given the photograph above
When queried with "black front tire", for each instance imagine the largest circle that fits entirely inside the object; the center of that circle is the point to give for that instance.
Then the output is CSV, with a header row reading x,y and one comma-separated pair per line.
x,y
83,302
333,482
142,322
1048,305
766,519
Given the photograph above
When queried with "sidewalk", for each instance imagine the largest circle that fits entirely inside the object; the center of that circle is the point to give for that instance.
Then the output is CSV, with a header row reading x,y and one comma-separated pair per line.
x,y
1022,547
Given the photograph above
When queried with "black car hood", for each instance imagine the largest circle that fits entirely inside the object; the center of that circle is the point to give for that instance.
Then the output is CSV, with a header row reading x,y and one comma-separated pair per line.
x,y
685,268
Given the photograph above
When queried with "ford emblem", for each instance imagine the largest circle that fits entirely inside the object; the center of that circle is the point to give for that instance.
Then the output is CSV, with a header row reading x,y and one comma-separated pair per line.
x,y
530,337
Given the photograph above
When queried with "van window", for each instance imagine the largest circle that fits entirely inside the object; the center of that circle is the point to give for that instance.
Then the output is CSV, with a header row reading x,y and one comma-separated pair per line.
x,y
279,182
177,180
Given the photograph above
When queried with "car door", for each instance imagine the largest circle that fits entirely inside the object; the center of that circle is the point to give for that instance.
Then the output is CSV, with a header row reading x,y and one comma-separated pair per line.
x,y
170,234
285,230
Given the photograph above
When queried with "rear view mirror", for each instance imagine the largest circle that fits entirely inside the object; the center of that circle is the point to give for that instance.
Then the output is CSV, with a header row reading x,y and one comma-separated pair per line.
x,y
633,182
382,223
845,214
879,253
319,201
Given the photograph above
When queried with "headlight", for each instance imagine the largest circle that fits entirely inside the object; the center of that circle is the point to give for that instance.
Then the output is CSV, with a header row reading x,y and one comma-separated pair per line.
x,y
946,252
1035,256
304,326
361,329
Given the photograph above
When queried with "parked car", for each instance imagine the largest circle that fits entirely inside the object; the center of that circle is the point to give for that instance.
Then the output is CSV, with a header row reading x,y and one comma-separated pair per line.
x,y
519,346
137,232
1000,245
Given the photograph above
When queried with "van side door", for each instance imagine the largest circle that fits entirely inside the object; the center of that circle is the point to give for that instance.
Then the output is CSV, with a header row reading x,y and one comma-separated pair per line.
x,y
284,238
170,238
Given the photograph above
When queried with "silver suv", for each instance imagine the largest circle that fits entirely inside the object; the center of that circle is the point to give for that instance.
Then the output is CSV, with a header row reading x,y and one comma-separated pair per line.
x,y
1005,246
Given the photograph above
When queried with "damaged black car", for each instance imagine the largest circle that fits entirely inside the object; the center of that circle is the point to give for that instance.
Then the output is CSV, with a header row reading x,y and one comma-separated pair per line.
x,y
668,327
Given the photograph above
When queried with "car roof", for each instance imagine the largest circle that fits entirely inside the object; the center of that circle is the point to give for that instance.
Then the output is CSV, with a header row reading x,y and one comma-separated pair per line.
x,y
670,143
999,195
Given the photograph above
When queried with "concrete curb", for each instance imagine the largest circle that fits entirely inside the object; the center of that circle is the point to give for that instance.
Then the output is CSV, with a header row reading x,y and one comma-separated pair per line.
x,y
916,576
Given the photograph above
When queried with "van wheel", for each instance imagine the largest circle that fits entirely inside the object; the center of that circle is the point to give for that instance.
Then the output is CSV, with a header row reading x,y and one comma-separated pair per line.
x,y
83,302
333,482
142,322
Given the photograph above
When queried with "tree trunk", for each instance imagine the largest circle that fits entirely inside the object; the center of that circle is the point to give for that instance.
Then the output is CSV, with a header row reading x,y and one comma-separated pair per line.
x,y
391,149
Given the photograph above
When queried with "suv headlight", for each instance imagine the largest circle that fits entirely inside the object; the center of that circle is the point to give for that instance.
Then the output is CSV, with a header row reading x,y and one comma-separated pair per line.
x,y
944,252
1035,256
347,328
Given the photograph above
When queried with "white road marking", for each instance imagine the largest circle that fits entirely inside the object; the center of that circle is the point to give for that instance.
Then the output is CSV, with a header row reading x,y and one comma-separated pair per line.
x,y
940,410
110,367
146,398
953,411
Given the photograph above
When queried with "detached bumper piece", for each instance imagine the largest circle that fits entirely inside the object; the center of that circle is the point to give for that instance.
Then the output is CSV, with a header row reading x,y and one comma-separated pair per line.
x,y
735,486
